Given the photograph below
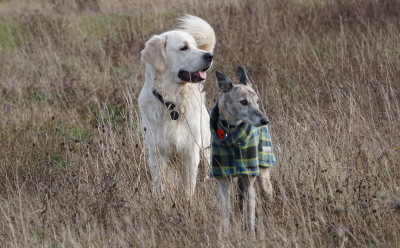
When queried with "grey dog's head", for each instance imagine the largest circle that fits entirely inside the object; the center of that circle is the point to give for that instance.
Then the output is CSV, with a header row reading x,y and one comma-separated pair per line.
x,y
240,103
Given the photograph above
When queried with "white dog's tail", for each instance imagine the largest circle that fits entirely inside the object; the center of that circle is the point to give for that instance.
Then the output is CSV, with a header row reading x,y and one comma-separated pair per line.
x,y
202,32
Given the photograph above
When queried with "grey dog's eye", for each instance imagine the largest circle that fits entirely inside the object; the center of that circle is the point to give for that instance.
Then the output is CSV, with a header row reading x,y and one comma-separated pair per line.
x,y
244,102
184,48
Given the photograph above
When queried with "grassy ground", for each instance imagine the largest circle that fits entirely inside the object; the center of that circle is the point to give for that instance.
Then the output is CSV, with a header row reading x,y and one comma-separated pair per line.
x,y
73,166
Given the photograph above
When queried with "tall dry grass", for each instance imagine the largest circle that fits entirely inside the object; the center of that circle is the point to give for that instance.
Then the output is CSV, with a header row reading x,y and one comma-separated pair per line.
x,y
73,165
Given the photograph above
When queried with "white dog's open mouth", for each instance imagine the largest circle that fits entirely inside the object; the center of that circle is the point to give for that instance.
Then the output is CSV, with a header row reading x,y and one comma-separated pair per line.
x,y
193,76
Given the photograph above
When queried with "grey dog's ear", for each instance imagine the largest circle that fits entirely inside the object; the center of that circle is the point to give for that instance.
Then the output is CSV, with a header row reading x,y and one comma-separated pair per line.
x,y
224,83
154,53
243,79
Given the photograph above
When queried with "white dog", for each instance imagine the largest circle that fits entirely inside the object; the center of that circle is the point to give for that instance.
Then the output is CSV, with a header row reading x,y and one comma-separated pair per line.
x,y
174,117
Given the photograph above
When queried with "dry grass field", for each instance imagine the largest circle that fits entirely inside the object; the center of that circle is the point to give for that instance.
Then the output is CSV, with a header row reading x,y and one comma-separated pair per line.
x,y
73,164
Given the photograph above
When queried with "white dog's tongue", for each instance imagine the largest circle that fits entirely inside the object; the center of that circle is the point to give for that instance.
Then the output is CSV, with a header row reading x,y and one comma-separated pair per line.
x,y
203,74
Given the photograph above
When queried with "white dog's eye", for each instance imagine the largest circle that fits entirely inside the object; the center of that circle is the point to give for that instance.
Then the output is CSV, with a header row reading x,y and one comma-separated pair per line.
x,y
244,102
184,48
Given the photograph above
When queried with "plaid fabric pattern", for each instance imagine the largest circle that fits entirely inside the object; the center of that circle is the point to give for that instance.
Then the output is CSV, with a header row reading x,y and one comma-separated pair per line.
x,y
242,152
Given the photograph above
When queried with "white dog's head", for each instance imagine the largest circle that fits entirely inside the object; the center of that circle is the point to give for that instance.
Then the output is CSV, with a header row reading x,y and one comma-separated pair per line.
x,y
182,55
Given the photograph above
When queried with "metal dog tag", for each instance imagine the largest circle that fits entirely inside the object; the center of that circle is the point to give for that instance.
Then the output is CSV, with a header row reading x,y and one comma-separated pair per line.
x,y
174,115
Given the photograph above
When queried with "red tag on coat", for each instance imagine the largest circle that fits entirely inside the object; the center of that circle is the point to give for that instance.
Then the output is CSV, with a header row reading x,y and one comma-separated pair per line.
x,y
220,133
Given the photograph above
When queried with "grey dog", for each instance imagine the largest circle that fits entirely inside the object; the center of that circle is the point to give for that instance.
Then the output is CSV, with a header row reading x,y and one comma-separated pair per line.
x,y
241,147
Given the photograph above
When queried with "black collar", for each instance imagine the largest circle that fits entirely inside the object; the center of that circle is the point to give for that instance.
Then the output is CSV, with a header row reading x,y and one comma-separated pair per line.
x,y
170,105
224,124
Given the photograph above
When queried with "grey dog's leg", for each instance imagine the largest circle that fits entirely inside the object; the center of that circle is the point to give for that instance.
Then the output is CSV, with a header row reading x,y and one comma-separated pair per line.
x,y
240,193
250,199
265,185
224,193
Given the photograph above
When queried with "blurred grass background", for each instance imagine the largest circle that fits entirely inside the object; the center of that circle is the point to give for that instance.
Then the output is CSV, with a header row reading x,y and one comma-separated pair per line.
x,y
73,165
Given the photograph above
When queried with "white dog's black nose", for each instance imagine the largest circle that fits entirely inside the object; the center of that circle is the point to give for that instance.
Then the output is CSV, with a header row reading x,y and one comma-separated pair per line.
x,y
208,57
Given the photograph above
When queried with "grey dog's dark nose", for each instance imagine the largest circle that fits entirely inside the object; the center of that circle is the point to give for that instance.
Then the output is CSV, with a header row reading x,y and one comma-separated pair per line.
x,y
208,57
264,121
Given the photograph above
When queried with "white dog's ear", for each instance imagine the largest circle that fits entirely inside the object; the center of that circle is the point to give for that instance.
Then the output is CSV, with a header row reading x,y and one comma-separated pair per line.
x,y
154,53
224,83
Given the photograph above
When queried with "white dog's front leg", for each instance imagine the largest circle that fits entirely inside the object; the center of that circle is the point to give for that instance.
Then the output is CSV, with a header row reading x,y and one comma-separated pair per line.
x,y
158,165
191,162
224,193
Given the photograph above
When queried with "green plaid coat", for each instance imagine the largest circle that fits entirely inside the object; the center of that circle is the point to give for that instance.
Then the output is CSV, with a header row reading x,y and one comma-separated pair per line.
x,y
242,152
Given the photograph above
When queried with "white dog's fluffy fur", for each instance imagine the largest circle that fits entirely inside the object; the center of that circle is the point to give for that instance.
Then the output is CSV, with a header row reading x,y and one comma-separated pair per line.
x,y
166,55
